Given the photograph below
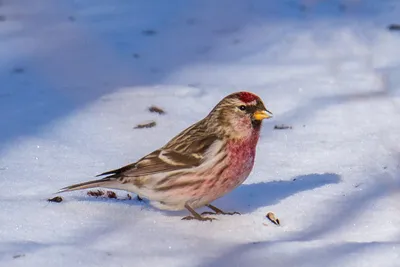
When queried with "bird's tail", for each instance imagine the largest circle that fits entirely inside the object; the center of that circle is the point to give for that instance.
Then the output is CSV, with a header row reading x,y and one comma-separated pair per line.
x,y
108,182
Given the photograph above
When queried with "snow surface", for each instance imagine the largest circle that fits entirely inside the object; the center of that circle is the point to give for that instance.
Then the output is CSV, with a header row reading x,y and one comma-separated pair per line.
x,y
78,75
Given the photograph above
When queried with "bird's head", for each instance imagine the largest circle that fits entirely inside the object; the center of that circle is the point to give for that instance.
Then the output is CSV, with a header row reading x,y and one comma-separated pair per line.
x,y
240,113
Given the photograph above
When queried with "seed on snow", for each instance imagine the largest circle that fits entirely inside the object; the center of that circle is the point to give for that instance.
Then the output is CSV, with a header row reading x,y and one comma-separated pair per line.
x,y
272,218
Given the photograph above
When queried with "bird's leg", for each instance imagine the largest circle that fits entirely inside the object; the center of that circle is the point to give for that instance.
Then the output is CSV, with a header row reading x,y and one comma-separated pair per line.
x,y
195,216
218,211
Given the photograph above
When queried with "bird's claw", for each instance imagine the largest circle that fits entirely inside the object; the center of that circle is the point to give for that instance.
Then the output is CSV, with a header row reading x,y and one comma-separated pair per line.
x,y
188,218
220,213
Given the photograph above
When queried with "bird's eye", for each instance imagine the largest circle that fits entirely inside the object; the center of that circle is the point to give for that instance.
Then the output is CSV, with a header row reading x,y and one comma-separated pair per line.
x,y
242,107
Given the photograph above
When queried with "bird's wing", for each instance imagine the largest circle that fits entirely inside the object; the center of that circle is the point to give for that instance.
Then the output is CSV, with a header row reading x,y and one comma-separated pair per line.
x,y
169,158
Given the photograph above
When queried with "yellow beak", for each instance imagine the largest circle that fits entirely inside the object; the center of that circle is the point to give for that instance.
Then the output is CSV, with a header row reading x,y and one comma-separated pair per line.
x,y
262,114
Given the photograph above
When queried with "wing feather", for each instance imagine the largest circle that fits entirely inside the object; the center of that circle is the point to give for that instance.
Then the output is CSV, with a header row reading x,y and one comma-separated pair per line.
x,y
172,157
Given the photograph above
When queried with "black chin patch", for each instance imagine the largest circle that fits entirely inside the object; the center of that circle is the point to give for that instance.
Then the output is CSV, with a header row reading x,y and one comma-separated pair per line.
x,y
251,109
256,124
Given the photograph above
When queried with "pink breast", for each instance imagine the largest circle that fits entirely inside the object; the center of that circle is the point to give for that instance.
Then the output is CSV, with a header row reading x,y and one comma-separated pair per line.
x,y
240,162
230,173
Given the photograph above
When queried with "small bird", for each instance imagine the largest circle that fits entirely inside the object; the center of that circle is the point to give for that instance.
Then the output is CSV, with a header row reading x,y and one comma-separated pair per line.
x,y
201,164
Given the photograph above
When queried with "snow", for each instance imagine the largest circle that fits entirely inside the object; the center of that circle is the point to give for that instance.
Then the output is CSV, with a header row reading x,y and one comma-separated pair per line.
x,y
77,76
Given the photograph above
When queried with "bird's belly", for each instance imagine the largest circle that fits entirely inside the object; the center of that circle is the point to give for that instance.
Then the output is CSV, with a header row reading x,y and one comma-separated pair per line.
x,y
202,186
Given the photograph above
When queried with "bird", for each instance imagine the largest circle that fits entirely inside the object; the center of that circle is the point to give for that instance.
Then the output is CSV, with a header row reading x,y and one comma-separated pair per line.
x,y
199,165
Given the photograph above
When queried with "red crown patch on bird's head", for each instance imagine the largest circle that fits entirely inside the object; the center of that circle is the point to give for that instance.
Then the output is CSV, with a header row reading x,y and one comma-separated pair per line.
x,y
247,97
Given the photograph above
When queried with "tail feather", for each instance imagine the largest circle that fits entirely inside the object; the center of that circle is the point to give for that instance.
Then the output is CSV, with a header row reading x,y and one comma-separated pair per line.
x,y
108,182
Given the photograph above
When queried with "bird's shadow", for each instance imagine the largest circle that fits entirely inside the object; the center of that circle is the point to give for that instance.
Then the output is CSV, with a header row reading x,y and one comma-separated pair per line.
x,y
248,197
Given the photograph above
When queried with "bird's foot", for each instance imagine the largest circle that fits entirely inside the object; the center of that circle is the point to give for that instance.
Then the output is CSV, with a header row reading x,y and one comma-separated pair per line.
x,y
217,211
200,218
220,213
